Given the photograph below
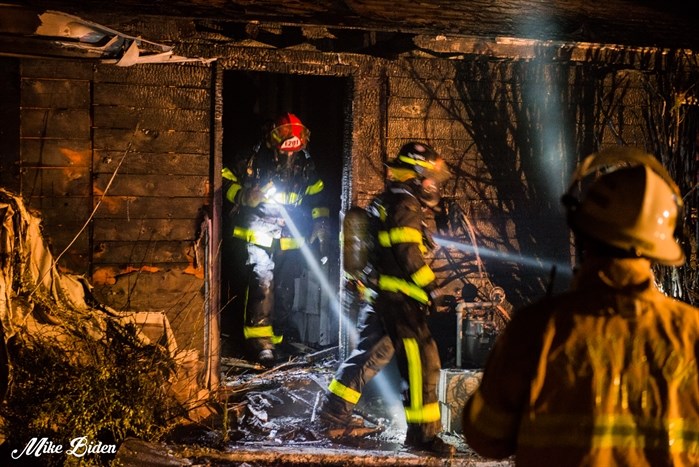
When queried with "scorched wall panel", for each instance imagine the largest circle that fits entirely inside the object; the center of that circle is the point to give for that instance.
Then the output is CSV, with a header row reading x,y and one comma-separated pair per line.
x,y
55,153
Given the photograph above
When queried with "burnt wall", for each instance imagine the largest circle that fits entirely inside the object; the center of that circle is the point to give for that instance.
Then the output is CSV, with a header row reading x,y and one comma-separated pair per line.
x,y
513,131
118,163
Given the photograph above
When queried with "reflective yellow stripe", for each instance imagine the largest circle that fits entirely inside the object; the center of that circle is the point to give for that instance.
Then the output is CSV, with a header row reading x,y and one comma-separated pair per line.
x,y
609,431
256,332
320,212
401,235
289,198
401,174
266,240
411,161
384,239
252,237
291,243
396,284
412,353
316,188
228,175
232,191
426,414
490,421
423,276
405,235
417,412
292,198
343,392
252,332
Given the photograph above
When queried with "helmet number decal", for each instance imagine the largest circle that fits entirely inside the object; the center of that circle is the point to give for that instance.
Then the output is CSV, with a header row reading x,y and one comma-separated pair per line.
x,y
291,144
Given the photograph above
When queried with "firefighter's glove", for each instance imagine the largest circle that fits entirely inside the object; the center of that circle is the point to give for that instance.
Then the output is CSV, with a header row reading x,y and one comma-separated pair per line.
x,y
320,232
441,300
251,197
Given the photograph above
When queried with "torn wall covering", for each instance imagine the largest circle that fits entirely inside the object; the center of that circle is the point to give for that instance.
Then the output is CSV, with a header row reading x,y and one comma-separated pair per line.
x,y
37,299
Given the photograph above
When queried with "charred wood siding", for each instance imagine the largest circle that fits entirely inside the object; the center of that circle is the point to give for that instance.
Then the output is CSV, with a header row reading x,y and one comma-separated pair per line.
x,y
135,144
151,128
56,152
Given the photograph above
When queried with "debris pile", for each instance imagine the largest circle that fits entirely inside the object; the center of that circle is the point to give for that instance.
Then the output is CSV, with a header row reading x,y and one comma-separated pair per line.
x,y
74,367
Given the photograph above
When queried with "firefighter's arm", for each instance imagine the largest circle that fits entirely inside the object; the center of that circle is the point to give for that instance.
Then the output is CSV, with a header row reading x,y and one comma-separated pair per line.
x,y
236,193
314,193
231,184
404,229
314,199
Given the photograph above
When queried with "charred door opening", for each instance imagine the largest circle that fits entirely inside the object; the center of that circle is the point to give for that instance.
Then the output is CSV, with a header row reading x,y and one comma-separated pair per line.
x,y
251,100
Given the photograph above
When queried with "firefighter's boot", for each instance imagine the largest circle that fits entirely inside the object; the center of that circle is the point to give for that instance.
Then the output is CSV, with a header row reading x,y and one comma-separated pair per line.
x,y
425,440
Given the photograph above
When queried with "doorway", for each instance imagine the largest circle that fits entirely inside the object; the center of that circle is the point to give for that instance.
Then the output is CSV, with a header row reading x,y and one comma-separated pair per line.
x,y
251,100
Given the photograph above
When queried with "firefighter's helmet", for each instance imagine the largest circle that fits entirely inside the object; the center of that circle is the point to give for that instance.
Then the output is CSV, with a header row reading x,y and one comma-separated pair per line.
x,y
624,198
288,134
420,164
422,160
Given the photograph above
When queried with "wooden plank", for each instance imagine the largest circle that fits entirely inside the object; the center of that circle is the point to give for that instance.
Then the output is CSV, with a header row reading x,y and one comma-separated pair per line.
x,y
157,97
426,129
55,123
152,141
142,253
151,163
53,153
60,237
411,107
160,185
145,229
64,212
409,87
59,181
55,93
147,118
171,74
57,69
134,207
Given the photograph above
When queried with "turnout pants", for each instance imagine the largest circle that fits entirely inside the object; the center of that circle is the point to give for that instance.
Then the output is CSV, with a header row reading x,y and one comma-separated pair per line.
x,y
270,294
396,324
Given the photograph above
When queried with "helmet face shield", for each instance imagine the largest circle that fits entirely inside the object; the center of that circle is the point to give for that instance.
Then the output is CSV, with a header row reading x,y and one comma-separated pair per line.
x,y
290,137
429,192
289,134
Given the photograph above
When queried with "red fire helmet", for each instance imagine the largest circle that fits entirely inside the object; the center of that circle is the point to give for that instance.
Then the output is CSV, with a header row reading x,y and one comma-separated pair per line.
x,y
289,134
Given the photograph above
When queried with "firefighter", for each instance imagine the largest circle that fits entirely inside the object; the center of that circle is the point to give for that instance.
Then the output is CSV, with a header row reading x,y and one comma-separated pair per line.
x,y
401,289
279,207
605,373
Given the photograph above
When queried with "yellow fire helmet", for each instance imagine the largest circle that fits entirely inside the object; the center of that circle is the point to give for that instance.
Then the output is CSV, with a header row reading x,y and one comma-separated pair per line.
x,y
625,198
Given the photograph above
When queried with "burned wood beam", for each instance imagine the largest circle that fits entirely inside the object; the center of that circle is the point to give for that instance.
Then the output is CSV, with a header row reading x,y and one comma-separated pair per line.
x,y
527,49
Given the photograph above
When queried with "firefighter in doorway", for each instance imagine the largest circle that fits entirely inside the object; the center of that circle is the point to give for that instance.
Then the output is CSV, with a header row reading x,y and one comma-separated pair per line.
x,y
605,373
401,289
279,207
